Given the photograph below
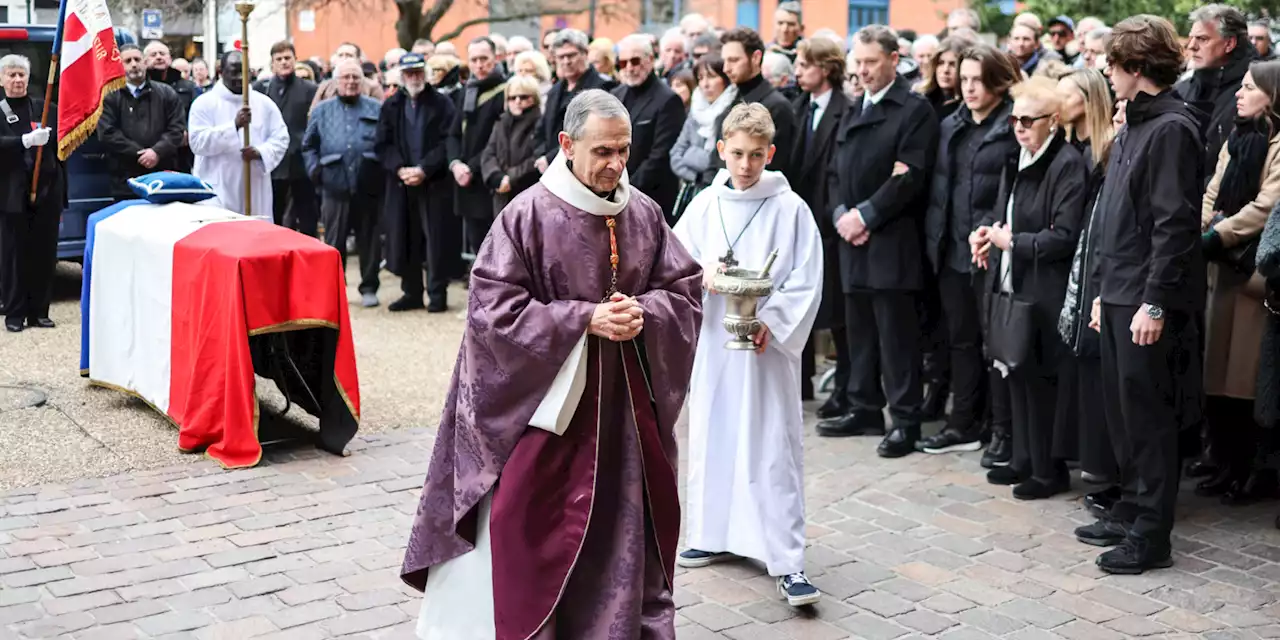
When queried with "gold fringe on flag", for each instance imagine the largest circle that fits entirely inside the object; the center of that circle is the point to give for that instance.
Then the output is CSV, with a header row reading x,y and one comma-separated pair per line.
x,y
70,142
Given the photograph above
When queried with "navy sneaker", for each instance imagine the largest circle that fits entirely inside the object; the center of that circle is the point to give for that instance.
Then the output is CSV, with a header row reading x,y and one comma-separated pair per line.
x,y
694,558
797,590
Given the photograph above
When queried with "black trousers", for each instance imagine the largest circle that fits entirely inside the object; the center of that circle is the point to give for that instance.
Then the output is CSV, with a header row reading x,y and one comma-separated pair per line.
x,y
1080,430
1143,387
474,231
808,367
884,344
294,205
1033,398
934,334
360,212
961,305
439,251
29,250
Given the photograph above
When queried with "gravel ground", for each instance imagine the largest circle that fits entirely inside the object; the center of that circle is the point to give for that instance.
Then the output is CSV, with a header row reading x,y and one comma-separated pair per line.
x,y
405,363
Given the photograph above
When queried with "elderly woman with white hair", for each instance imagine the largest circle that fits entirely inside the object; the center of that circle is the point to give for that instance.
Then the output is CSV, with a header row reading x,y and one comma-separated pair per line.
x,y
28,230
532,64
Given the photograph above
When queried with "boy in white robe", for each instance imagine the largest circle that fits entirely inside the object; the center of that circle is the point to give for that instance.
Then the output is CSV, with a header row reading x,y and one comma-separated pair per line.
x,y
746,422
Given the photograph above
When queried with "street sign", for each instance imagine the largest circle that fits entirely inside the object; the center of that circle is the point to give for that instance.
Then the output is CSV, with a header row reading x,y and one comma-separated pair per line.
x,y
152,24
306,20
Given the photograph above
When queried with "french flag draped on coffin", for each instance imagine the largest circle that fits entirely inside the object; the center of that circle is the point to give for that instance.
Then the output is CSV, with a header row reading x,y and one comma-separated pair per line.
x,y
184,302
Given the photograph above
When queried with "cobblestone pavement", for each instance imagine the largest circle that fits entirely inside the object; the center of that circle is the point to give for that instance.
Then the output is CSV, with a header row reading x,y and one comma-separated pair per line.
x,y
309,546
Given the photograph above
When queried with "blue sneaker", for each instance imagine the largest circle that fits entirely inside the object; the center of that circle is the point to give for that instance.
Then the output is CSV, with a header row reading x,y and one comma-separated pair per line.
x,y
693,558
797,590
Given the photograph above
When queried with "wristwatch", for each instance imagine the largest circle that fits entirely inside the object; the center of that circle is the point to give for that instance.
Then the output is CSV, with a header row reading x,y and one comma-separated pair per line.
x,y
1155,311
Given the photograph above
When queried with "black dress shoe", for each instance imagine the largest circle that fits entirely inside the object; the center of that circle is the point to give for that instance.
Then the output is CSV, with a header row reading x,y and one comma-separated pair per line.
x,y
1004,476
1219,484
999,452
834,407
900,442
405,303
41,323
1135,556
1033,489
437,307
1103,533
854,423
1259,486
1201,469
14,325
1099,503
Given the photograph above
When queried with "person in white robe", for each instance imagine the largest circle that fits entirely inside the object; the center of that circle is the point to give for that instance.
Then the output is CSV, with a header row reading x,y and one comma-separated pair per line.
x,y
217,140
746,473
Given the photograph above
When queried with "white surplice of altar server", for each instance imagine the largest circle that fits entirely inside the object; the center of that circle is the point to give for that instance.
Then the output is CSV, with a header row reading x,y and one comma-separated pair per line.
x,y
216,126
746,422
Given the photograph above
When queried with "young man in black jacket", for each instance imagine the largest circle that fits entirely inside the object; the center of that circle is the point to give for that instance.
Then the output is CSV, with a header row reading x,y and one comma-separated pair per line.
x,y
1153,282
289,182
743,53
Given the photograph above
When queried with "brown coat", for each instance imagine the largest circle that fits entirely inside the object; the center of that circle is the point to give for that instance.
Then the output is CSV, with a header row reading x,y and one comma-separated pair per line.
x,y
1235,317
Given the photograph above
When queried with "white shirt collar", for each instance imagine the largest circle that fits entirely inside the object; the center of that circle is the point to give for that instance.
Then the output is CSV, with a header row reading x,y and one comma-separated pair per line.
x,y
875,98
1026,159
134,88
821,100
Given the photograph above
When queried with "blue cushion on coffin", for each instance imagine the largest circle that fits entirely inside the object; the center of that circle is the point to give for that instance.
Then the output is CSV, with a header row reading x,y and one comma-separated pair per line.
x,y
170,186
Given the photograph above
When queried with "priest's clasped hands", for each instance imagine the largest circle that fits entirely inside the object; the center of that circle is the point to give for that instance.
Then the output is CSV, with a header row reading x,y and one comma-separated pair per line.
x,y
243,117
620,319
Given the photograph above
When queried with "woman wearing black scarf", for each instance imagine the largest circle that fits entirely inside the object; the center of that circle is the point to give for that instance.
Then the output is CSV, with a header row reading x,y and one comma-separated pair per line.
x,y
1236,205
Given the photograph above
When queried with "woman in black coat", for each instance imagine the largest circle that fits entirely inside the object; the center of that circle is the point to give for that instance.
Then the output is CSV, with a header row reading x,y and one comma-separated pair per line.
x,y
942,86
975,144
507,163
1081,425
1027,249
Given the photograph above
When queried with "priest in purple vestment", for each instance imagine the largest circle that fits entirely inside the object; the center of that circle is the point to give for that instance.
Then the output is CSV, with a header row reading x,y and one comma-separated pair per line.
x,y
550,508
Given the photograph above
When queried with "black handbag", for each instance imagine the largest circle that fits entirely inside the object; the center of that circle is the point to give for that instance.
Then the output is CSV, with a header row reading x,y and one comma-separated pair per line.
x,y
1011,329
1242,257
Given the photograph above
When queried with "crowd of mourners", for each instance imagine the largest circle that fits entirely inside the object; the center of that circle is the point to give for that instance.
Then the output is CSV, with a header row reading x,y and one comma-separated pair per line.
x,y
1062,244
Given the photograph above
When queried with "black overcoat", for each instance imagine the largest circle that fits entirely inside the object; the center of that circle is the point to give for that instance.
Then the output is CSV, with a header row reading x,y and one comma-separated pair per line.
x,y
811,183
901,128
510,154
657,115
557,103
468,137
154,120
293,96
393,151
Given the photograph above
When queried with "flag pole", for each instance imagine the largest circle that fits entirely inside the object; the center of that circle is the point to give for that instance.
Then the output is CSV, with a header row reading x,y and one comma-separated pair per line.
x,y
244,9
48,97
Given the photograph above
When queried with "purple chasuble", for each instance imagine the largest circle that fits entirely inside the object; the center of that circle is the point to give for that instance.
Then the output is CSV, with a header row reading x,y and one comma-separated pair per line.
x,y
583,526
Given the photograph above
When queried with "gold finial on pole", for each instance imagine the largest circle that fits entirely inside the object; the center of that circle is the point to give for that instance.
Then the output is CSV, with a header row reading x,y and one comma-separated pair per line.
x,y
244,9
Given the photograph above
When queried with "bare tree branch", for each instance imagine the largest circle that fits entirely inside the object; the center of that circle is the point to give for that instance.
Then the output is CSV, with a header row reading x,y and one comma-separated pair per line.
x,y
505,17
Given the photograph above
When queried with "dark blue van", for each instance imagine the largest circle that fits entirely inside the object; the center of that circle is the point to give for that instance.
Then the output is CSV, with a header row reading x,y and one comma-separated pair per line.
x,y
88,175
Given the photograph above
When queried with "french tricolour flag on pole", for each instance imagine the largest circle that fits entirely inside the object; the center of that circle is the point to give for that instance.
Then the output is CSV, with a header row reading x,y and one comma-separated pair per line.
x,y
85,48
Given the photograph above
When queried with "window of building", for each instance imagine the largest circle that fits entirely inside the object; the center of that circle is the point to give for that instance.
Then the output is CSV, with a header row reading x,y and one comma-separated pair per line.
x,y
865,12
749,14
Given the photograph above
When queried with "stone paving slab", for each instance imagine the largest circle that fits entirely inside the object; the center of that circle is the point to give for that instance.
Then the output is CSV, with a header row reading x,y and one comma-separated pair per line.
x,y
309,545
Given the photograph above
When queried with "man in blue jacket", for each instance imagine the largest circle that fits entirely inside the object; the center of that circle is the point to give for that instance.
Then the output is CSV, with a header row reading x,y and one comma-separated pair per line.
x,y
337,150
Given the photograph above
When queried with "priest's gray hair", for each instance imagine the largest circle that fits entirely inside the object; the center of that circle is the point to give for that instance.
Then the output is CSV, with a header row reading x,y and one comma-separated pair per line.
x,y
593,102
13,61
571,38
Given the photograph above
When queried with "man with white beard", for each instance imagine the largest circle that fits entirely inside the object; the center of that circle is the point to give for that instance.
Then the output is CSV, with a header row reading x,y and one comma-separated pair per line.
x,y
412,129
217,141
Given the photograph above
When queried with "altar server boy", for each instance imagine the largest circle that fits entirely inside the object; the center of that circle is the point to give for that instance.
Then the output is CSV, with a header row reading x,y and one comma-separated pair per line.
x,y
746,473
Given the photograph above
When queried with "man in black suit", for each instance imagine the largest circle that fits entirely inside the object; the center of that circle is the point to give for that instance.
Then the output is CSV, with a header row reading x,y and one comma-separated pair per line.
x,y
28,231
569,52
289,182
657,115
142,126
743,53
879,175
820,73
483,102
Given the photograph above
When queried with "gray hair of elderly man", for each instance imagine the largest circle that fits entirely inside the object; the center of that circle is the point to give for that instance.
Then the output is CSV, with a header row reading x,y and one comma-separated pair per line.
x,y
15,61
519,44
592,102
775,65
640,41
571,38
674,34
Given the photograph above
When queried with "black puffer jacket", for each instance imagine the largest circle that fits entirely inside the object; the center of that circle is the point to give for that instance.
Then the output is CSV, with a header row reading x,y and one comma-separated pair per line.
x,y
1149,233
998,147
1213,91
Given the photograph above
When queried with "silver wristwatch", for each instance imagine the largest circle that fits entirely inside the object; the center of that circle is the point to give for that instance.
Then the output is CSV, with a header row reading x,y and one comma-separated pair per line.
x,y
1155,311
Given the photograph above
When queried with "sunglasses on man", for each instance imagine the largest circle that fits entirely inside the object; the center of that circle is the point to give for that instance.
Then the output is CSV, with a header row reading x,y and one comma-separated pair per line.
x,y
627,62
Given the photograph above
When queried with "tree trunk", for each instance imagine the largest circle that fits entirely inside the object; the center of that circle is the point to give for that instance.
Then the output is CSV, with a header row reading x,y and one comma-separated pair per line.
x,y
409,24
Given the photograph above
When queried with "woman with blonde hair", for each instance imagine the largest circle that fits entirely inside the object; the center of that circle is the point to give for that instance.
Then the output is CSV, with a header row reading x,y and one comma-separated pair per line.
x,y
1237,204
1028,244
443,73
1081,425
602,55
507,163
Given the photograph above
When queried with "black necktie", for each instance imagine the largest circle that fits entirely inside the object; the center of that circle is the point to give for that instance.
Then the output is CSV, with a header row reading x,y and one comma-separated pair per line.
x,y
812,125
